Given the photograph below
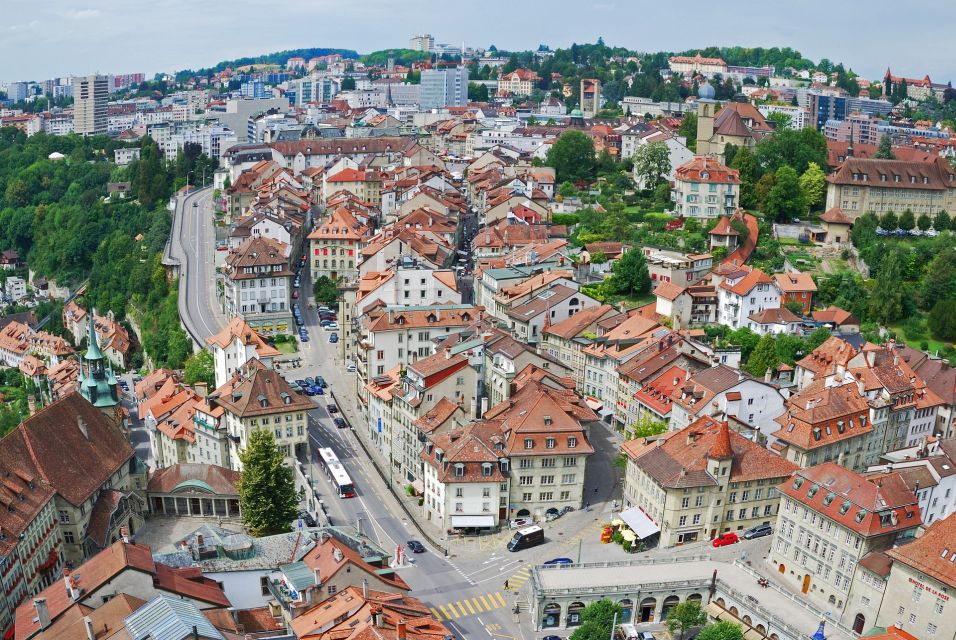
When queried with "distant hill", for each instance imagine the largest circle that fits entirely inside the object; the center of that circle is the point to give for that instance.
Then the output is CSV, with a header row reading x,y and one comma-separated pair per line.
x,y
278,57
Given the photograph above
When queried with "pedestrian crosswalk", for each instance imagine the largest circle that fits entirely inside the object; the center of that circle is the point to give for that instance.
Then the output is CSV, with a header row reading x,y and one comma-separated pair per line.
x,y
469,606
517,579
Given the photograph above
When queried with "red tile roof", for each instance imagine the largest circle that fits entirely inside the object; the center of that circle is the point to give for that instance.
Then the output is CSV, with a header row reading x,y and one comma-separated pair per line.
x,y
694,170
933,553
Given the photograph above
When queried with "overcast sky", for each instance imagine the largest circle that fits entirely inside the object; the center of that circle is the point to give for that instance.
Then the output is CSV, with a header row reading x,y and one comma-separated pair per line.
x,y
48,38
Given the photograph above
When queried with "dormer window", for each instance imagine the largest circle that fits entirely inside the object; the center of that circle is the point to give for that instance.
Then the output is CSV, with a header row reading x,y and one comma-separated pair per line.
x,y
549,443
528,443
486,469
459,470
572,442
547,421
844,507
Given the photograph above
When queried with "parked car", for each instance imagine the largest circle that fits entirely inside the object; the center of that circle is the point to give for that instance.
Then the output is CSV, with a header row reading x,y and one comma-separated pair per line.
x,y
725,539
307,519
304,337
518,523
332,326
318,390
758,531
415,546
302,383
310,381
320,382
334,338
340,423
557,561
308,391
331,408
325,323
350,366
295,294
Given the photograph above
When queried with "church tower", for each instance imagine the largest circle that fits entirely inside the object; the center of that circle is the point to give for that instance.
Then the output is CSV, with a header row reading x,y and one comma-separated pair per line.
x,y
706,111
96,381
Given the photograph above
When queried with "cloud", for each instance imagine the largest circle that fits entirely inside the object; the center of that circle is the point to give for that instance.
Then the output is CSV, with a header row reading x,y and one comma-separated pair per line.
x,y
80,14
29,26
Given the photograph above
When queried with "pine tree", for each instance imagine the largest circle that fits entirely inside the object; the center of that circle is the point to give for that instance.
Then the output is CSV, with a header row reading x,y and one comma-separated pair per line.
x,y
885,149
942,221
267,495
763,357
907,220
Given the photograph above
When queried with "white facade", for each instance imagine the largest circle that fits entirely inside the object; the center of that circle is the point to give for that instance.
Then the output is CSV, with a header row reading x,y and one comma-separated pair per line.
x,y
749,401
734,310
16,287
123,157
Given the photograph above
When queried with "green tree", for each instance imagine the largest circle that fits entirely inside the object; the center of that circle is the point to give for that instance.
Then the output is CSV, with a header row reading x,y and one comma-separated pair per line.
x,y
942,320
745,163
598,257
786,199
763,188
795,307
267,495
598,620
814,184
939,280
647,426
723,630
887,298
884,149
567,190
630,276
942,221
764,357
477,92
795,148
818,337
683,617
889,221
907,220
780,120
746,339
651,163
200,367
348,83
572,156
325,291
923,222
688,129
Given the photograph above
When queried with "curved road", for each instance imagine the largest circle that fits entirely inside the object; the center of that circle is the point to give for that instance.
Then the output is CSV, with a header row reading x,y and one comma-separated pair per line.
x,y
193,245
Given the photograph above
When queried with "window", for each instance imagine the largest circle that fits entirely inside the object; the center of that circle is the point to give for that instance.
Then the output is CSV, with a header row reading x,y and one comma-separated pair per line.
x,y
568,478
682,521
486,492
548,463
572,442
696,518
565,495
546,496
930,628
917,593
68,537
684,503
912,618
526,497
699,502
64,516
264,585
459,492
526,463
570,462
526,481
742,514
549,443
528,443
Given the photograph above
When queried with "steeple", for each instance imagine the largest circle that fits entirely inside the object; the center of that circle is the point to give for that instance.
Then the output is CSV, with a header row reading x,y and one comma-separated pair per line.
x,y
96,382
721,449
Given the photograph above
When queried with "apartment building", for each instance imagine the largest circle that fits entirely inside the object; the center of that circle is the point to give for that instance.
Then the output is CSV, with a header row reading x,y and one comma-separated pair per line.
x,y
830,519
506,357
675,267
90,104
444,88
705,188
235,345
335,245
702,480
860,185
745,293
558,302
796,287
566,340
256,397
520,82
258,283
691,306
590,97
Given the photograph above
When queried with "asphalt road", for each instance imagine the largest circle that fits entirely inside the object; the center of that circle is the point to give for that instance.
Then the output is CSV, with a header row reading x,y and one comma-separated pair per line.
x,y
194,246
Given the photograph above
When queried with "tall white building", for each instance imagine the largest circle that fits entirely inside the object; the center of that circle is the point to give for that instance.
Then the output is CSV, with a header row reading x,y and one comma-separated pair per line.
x,y
90,96
422,42
444,88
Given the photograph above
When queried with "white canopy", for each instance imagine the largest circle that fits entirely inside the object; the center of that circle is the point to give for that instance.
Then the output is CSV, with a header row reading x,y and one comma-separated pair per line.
x,y
639,523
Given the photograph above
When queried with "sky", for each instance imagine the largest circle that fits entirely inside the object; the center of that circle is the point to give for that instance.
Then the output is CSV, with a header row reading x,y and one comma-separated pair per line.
x,y
50,38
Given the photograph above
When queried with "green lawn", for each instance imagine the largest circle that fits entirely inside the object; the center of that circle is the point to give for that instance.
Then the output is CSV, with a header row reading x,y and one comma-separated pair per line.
x,y
915,339
287,347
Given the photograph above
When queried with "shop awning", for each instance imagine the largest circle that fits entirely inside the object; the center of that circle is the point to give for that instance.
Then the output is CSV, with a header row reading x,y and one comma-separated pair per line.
x,y
418,486
715,611
639,523
594,403
461,522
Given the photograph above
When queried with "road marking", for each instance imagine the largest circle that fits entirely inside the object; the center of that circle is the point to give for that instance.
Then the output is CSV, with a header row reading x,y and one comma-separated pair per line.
x,y
500,599
445,611
435,613
464,604
488,606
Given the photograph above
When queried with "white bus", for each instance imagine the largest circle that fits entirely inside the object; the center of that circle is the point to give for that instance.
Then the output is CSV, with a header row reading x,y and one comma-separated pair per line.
x,y
337,474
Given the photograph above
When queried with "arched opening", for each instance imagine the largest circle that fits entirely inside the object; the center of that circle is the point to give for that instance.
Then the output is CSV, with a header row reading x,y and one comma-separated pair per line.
x,y
627,606
647,609
695,597
832,599
720,603
733,611
669,602
858,622
762,630
782,568
524,513
552,615
574,614
551,512
747,620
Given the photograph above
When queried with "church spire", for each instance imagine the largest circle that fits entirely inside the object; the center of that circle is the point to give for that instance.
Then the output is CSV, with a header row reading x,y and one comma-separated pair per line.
x,y
96,383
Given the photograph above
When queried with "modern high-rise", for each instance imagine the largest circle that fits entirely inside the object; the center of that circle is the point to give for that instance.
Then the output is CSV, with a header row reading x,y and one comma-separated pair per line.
x,y
90,97
444,88
422,42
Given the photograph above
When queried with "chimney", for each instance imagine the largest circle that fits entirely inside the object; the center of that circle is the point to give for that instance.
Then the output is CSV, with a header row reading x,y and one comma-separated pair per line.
x,y
447,353
32,404
767,375
90,632
365,588
201,389
124,533
81,423
401,630
317,575
43,614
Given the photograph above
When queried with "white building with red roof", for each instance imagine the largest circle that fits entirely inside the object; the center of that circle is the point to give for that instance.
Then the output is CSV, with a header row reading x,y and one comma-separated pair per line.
x,y
705,188
745,293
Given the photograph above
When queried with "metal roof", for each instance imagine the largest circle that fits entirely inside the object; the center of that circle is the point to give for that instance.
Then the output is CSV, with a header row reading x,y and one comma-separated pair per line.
x,y
164,618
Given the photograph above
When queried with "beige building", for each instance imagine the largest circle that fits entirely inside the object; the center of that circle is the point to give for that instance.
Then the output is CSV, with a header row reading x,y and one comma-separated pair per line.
x,y
590,97
90,104
335,245
705,188
365,184
701,481
860,185
675,267
259,398
258,285
565,341
830,519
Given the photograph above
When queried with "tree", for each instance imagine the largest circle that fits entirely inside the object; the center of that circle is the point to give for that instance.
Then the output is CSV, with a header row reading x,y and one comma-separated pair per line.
x,y
786,199
887,303
907,220
325,291
630,275
597,620
688,129
348,83
923,222
723,630
780,120
795,148
764,357
572,156
651,163
884,150
942,320
942,221
684,617
939,280
647,426
598,257
200,367
889,221
795,307
761,191
745,163
477,92
814,184
267,496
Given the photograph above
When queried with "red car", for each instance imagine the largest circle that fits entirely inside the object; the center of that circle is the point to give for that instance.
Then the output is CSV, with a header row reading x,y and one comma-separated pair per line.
x,y
726,538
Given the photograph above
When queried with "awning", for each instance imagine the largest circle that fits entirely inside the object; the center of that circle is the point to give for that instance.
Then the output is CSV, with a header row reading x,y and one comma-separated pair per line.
x,y
461,522
753,634
418,486
639,523
594,403
714,610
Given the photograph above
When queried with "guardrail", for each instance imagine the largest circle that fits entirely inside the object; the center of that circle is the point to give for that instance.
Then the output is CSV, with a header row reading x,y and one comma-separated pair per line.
x,y
384,477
